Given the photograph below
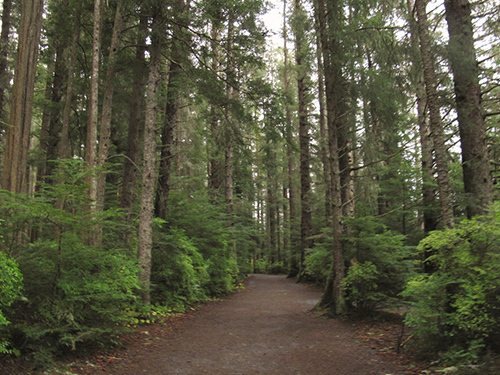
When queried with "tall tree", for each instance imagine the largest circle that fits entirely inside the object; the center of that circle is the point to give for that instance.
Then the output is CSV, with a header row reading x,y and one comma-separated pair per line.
x,y
64,149
107,106
476,167
145,239
436,125
176,77
300,26
427,161
93,117
290,190
14,177
330,24
135,121
4,62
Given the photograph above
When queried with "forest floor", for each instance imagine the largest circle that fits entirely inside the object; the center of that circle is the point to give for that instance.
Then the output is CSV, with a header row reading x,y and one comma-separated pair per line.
x,y
267,328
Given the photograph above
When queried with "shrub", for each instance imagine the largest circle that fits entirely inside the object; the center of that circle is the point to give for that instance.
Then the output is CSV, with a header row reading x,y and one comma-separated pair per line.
x,y
74,293
380,263
362,287
179,272
318,262
458,306
10,290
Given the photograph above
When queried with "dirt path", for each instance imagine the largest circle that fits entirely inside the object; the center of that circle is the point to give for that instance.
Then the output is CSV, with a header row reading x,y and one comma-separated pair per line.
x,y
266,329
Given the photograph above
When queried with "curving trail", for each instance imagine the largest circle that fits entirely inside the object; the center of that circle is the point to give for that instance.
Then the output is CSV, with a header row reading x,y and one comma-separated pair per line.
x,y
266,329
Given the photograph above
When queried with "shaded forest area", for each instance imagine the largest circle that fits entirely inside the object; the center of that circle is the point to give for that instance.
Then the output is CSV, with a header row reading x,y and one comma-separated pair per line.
x,y
154,153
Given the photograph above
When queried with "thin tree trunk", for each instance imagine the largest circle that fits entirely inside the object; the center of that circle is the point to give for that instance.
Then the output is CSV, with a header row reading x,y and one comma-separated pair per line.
x,y
136,123
91,141
215,172
304,137
436,126
107,106
14,176
327,181
64,149
478,182
4,62
334,296
231,96
428,190
145,238
294,245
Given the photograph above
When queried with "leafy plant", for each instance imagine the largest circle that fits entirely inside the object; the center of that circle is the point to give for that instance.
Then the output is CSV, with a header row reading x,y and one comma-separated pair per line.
x,y
10,290
179,273
362,287
74,293
380,263
459,303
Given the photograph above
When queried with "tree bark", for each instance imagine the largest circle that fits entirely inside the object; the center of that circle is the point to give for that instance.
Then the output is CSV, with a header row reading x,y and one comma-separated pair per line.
x,y
129,194
429,213
145,238
304,126
174,88
91,140
107,107
478,182
4,62
329,20
65,149
14,176
293,238
436,126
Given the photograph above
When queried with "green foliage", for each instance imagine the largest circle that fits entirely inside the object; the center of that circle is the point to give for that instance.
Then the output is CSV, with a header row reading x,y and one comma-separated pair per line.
x,y
380,263
457,306
361,284
318,262
204,226
74,293
179,272
10,290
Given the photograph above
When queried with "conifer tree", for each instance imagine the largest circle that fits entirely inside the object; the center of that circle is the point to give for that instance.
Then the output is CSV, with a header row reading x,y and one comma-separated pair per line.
x,y
475,160
14,176
149,175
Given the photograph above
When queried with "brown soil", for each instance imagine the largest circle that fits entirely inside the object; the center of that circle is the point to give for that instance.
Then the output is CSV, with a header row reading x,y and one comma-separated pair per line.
x,y
268,328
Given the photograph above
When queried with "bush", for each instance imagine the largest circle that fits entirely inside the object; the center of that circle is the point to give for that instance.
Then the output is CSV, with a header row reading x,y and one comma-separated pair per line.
x,y
318,262
380,263
179,272
74,293
456,308
361,285
10,290
206,227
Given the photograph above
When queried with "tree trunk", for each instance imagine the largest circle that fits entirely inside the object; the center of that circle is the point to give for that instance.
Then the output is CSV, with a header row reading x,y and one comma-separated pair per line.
x,y
107,106
327,181
136,123
174,87
65,149
477,176
292,191
215,164
429,212
301,58
14,176
4,62
436,126
332,19
149,160
91,140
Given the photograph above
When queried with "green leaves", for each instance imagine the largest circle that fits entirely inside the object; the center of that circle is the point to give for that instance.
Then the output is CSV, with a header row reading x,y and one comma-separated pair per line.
x,y
10,289
460,302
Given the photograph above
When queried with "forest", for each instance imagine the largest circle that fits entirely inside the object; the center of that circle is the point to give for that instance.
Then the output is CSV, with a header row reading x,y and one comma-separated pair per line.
x,y
155,153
